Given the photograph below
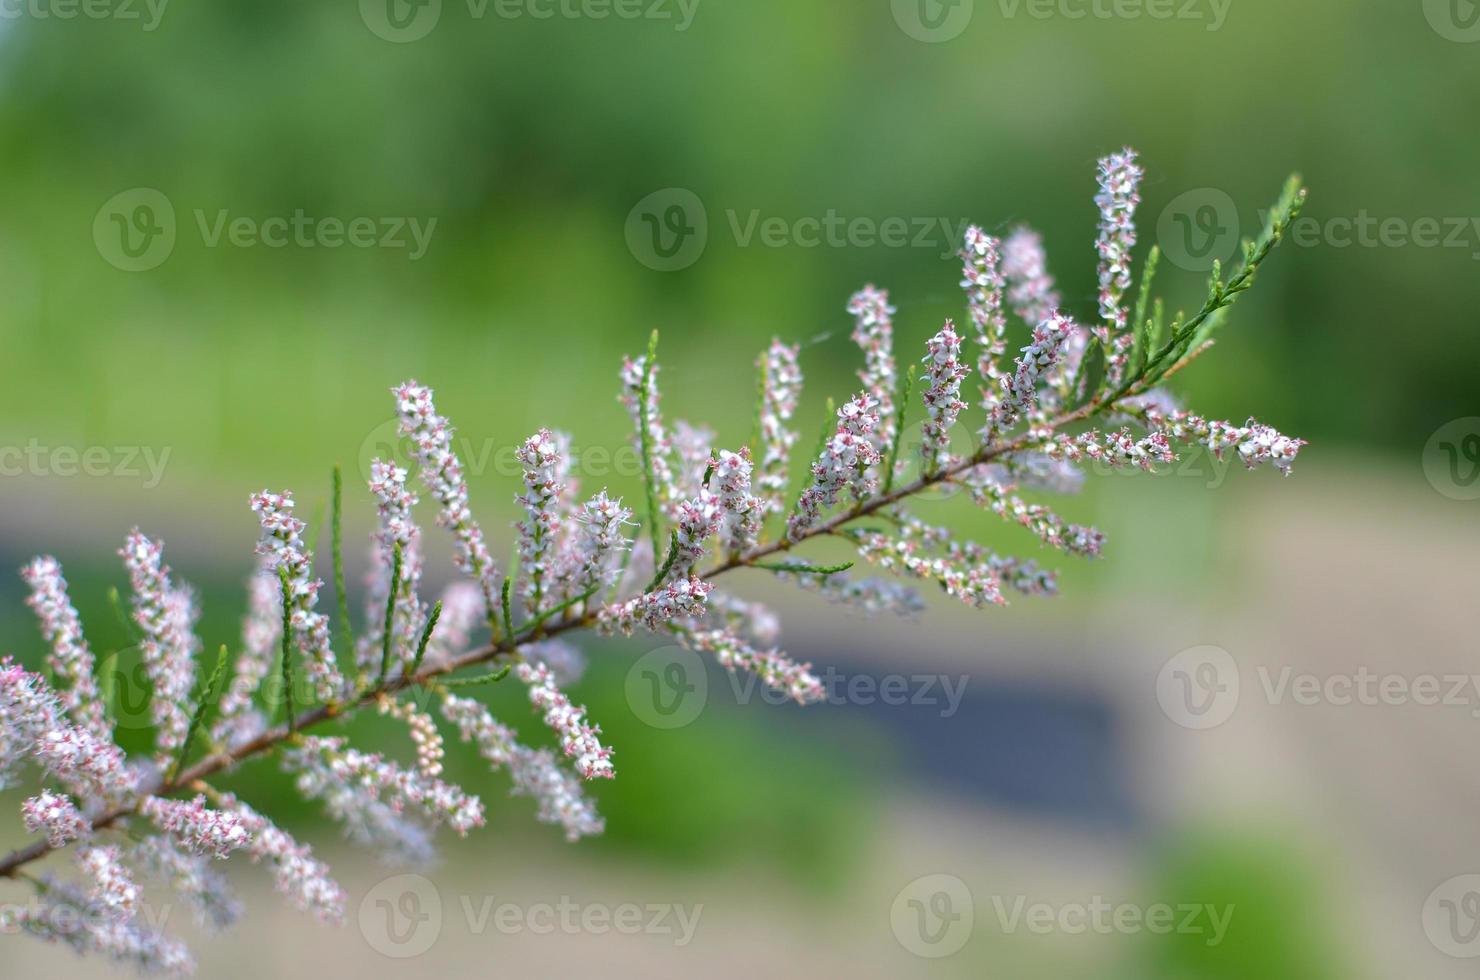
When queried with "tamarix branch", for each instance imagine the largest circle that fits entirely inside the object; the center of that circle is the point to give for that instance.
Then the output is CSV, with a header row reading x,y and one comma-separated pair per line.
x,y
585,565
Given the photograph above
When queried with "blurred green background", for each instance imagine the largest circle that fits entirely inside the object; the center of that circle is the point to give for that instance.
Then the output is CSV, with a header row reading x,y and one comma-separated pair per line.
x,y
525,147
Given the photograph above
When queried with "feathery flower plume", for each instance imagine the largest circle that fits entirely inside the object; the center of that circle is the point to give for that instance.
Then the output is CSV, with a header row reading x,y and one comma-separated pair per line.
x,y
873,331
1254,443
781,389
843,463
1030,290
541,525
262,628
328,764
557,794
441,473
697,520
942,396
1120,182
578,739
659,446
55,815
984,281
27,709
113,887
62,913
974,583
282,544
599,544
740,510
775,669
192,877
1115,449
871,596
300,877
1046,350
1052,530
396,530
654,610
94,770
196,827
70,659
165,616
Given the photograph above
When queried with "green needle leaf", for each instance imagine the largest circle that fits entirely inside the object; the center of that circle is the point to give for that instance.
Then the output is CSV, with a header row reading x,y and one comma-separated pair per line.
x,y
208,700
426,637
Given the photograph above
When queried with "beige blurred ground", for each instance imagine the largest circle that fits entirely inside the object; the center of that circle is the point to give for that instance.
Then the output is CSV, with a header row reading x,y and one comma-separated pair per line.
x,y
1334,570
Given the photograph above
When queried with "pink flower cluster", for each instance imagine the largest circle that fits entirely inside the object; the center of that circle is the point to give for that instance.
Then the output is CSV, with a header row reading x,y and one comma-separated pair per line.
x,y
70,660
441,473
55,815
943,405
579,739
165,616
781,389
843,463
196,827
873,330
282,544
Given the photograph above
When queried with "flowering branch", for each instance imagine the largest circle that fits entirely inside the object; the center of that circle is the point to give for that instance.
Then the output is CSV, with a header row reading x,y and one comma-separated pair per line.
x,y
580,571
